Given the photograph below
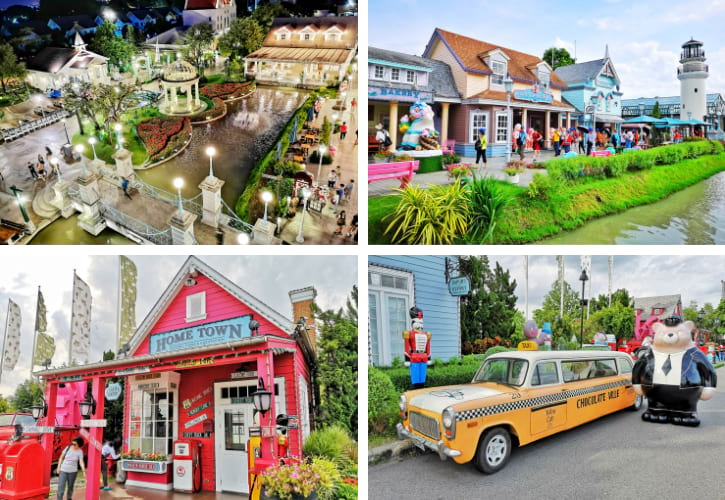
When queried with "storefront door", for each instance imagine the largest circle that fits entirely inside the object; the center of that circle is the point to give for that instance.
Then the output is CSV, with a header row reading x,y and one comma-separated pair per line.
x,y
232,420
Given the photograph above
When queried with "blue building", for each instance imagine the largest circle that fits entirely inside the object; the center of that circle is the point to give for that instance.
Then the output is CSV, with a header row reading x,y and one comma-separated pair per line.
x,y
670,108
395,284
593,89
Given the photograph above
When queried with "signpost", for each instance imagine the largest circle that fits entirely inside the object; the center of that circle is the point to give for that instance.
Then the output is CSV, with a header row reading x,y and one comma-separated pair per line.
x,y
459,285
113,391
98,422
528,345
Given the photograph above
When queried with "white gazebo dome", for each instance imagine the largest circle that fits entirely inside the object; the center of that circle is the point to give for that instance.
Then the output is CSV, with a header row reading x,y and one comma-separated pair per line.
x,y
179,71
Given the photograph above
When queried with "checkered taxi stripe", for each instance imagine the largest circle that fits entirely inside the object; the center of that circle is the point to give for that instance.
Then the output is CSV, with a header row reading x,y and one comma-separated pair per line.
x,y
533,402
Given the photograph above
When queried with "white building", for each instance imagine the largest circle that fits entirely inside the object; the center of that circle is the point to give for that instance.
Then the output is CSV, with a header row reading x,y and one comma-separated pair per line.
x,y
219,13
53,67
693,75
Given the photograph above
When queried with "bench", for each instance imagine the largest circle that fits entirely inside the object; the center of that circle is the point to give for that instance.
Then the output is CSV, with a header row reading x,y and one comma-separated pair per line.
x,y
401,170
605,152
373,145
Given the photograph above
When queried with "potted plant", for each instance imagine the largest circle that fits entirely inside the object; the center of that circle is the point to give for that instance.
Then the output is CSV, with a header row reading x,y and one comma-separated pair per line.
x,y
513,173
381,157
300,481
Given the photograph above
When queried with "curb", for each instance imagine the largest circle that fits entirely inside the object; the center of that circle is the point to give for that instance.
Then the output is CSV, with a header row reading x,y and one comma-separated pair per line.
x,y
389,450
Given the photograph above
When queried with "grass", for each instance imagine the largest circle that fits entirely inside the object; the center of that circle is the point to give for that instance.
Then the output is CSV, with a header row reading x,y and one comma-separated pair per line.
x,y
105,151
380,439
527,220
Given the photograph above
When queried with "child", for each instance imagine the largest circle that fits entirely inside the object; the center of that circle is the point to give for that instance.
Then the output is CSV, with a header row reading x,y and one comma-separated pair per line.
x,y
340,223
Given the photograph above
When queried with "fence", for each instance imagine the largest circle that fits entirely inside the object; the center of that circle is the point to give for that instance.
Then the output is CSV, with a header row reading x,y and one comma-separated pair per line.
x,y
10,134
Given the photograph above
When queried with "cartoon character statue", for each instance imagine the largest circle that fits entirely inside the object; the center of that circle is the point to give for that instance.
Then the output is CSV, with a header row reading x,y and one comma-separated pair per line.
x,y
674,374
417,348
418,129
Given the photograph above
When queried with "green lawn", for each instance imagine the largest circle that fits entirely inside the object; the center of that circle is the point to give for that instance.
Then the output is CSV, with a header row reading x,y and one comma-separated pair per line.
x,y
105,151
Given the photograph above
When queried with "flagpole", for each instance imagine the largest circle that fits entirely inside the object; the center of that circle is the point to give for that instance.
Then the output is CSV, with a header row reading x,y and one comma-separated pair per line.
x,y
2,355
73,309
118,309
35,337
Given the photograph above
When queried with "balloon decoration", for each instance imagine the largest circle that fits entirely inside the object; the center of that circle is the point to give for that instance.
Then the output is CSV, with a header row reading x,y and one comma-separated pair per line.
x,y
531,330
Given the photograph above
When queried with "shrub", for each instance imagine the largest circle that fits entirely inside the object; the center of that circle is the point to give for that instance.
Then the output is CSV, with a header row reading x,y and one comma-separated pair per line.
x,y
382,401
434,216
346,491
485,204
449,158
315,158
331,443
286,168
541,187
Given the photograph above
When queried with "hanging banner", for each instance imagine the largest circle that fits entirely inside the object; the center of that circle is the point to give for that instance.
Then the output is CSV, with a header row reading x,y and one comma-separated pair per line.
x,y
11,342
44,343
127,300
80,323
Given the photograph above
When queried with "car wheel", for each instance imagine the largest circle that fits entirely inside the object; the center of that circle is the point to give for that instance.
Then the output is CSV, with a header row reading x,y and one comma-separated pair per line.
x,y
638,403
494,450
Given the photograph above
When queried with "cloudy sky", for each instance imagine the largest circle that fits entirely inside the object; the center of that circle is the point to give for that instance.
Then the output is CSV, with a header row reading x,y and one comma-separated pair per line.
x,y
267,277
644,36
693,277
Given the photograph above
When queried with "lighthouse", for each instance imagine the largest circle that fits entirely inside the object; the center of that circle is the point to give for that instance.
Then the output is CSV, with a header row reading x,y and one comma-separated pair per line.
x,y
692,75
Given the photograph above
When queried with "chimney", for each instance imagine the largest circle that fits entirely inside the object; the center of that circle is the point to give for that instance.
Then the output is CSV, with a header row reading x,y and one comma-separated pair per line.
x,y
302,307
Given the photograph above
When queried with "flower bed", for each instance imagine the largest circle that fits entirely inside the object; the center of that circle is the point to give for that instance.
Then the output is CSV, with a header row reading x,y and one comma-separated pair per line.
x,y
218,109
226,91
163,136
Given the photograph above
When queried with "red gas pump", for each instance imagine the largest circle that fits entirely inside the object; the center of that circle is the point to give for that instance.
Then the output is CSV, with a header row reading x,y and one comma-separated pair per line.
x,y
187,465
22,483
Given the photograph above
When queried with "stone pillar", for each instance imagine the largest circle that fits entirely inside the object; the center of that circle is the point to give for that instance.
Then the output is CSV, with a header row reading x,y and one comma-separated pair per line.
x,y
524,116
393,125
264,233
196,86
547,129
444,122
62,201
188,98
90,218
211,191
182,228
124,167
568,120
166,95
174,98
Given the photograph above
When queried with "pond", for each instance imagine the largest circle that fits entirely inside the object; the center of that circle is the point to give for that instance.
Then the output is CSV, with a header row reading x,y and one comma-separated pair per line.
x,y
693,216
67,232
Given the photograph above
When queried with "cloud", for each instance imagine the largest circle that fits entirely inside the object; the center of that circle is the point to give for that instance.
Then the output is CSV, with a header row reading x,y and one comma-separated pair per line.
x,y
647,70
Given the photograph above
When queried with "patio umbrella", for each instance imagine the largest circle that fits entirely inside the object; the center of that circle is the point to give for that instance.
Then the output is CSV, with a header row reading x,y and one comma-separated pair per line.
x,y
644,119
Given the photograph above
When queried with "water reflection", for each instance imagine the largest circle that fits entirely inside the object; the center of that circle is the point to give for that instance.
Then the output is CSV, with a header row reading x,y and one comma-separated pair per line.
x,y
693,216
67,232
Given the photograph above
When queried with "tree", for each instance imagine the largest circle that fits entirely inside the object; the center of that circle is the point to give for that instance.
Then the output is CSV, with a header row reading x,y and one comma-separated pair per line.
x,y
10,68
4,405
244,37
656,110
557,57
265,14
101,104
118,51
27,394
336,370
550,308
199,38
620,296
617,320
489,308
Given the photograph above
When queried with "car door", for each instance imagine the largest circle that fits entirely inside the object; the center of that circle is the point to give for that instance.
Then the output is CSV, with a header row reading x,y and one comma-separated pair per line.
x,y
548,414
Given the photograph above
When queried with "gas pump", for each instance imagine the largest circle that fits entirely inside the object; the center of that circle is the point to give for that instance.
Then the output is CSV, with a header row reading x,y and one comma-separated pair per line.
x,y
22,483
254,445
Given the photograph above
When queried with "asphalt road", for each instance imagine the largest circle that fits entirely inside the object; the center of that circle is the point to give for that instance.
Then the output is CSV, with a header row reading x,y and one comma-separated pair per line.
x,y
615,457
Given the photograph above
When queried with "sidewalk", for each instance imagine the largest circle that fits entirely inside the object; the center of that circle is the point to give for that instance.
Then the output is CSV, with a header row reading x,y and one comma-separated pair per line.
x,y
494,169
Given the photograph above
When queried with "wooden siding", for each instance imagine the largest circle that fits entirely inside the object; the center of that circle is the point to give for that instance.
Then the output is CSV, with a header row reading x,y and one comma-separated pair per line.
x,y
440,308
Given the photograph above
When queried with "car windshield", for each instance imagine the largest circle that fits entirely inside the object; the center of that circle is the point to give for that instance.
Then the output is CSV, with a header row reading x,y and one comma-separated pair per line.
x,y
503,371
6,420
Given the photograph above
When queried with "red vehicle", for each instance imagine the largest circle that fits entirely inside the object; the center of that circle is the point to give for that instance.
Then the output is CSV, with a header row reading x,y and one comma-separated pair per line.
x,y
63,435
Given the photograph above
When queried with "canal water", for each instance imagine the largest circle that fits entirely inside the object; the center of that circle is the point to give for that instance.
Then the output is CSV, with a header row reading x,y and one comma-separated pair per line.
x,y
241,138
693,216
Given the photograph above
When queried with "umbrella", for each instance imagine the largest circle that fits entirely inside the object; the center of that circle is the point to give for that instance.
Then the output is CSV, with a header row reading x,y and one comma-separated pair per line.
x,y
645,119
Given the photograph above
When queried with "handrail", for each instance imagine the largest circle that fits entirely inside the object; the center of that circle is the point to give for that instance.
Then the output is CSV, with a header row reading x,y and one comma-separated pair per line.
x,y
146,231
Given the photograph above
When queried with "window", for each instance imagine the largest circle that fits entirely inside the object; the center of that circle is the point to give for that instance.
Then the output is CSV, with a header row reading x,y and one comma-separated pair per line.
x,y
503,371
544,78
304,406
307,36
379,72
235,435
656,311
585,370
390,297
195,307
478,119
283,36
501,127
410,76
154,413
545,374
499,70
395,74
625,365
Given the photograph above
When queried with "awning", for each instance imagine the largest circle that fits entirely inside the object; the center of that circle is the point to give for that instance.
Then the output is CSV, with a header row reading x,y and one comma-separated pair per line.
x,y
609,118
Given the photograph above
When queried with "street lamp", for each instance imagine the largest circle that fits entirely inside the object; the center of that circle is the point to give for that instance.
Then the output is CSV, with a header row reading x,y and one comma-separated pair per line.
x,y
39,410
266,198
262,398
243,238
700,317
65,126
92,142
595,105
321,152
118,127
508,85
583,278
305,197
79,149
21,203
87,406
210,152
178,184
39,99
54,163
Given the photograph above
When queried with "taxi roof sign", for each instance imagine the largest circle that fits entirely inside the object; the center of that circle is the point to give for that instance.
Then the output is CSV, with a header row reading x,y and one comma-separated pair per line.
x,y
528,345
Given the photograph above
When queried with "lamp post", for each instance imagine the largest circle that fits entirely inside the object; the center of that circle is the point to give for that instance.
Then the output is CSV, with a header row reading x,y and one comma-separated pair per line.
x,y
21,203
87,406
243,238
595,105
508,85
700,324
583,278
118,127
266,198
79,148
54,163
39,100
321,152
305,197
210,152
178,184
92,142
65,126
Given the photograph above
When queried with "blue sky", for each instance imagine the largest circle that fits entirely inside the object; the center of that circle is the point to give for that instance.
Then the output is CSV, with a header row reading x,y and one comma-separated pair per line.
x,y
644,36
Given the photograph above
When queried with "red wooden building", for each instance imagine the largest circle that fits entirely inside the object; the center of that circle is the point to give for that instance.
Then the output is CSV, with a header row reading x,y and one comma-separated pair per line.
x,y
190,371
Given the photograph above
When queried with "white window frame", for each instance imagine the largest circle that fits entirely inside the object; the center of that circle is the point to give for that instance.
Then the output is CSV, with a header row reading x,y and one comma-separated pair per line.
x,y
498,129
375,72
394,74
385,338
303,407
307,36
410,76
198,314
544,78
473,128
496,76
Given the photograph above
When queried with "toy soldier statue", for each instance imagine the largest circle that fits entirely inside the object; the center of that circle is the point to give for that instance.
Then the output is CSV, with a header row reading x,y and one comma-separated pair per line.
x,y
417,348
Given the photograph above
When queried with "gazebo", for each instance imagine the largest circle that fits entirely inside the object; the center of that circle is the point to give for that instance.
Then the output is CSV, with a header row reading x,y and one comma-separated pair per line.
x,y
180,76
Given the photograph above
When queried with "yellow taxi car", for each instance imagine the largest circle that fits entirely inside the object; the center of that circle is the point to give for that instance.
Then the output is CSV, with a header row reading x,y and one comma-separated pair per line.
x,y
514,399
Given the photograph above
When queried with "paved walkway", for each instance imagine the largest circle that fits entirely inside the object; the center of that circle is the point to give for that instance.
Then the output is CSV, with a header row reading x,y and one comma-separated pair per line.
x,y
494,169
119,492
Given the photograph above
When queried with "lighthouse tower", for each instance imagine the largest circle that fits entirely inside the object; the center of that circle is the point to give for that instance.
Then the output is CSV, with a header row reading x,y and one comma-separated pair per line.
x,y
692,75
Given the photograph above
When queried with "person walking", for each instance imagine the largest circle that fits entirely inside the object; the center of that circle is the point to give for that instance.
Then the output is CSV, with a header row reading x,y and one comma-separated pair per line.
x,y
352,230
107,452
341,221
591,137
481,146
581,142
68,463
566,140
124,186
343,131
349,187
33,173
340,193
520,141
331,179
383,138
556,138
536,139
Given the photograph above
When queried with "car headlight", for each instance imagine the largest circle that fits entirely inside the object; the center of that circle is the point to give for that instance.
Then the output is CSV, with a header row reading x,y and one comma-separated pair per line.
x,y
449,422
402,403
